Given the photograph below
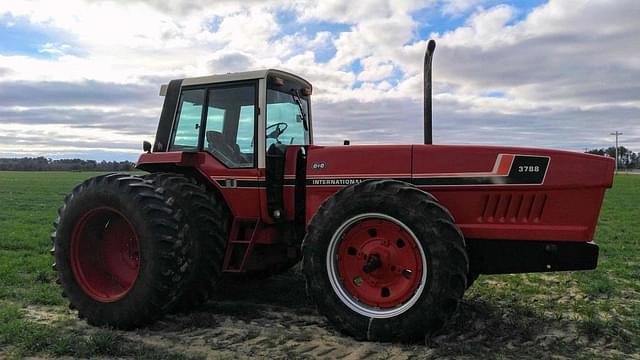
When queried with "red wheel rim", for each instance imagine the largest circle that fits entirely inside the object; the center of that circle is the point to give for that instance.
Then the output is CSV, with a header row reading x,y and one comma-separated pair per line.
x,y
105,254
379,263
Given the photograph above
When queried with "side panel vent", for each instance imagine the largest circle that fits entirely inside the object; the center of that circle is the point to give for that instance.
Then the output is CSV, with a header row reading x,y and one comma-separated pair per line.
x,y
513,208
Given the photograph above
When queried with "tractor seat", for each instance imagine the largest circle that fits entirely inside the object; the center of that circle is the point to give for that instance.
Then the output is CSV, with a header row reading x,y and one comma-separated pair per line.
x,y
218,145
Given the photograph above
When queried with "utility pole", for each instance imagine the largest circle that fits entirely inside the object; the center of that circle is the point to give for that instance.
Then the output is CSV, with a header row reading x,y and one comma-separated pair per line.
x,y
617,133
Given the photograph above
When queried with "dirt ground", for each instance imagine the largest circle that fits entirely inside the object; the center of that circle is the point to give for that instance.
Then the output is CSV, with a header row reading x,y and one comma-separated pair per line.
x,y
273,319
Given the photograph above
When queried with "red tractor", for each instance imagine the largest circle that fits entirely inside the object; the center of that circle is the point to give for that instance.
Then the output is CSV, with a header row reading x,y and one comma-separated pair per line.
x,y
390,236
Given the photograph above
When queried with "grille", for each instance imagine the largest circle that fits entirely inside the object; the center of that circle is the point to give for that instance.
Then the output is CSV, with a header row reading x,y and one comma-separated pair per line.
x,y
513,208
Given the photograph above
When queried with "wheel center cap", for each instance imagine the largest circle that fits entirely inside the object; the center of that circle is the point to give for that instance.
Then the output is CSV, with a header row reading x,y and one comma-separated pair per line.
x,y
377,262
373,263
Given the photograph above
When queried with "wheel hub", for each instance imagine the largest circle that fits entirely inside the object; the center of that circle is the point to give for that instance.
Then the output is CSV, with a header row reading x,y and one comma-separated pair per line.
x,y
373,263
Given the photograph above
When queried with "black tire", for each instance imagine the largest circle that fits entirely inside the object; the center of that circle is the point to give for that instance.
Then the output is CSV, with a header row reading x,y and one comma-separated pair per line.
x,y
208,233
161,249
443,253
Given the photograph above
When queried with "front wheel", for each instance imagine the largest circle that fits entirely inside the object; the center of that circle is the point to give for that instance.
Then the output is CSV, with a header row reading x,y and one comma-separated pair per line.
x,y
385,262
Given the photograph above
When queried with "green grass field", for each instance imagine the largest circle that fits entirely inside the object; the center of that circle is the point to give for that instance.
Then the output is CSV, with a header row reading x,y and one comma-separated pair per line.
x,y
573,315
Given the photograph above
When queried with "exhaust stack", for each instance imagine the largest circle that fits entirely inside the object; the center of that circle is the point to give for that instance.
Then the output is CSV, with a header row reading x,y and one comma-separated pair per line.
x,y
428,116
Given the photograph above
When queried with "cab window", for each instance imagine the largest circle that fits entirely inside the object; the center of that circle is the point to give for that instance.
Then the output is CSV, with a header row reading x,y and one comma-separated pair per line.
x,y
286,116
185,136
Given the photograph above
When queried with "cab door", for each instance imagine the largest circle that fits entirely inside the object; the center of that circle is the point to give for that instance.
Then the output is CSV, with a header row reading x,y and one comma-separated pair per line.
x,y
220,122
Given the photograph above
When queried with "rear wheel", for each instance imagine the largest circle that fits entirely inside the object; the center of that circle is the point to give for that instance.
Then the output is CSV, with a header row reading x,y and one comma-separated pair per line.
x,y
208,234
120,251
384,261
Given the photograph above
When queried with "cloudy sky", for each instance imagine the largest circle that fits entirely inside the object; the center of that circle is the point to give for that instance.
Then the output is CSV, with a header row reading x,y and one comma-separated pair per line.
x,y
81,77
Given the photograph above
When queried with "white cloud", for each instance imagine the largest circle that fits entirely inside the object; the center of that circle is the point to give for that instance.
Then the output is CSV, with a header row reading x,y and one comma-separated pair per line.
x,y
457,7
484,29
231,61
55,49
374,70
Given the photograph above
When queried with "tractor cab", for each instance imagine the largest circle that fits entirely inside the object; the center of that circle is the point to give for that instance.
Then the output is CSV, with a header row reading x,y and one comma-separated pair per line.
x,y
236,118
239,127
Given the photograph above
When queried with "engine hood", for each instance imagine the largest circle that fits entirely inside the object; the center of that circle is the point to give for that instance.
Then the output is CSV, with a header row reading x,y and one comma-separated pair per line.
x,y
493,192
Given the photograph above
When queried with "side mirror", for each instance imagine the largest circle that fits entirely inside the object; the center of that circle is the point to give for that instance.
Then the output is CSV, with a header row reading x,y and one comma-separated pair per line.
x,y
146,147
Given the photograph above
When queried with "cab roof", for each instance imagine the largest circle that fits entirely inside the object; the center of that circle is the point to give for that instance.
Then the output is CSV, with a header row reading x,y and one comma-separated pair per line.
x,y
238,76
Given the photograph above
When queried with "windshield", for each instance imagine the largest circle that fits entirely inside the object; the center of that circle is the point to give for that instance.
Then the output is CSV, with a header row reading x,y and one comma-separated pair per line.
x,y
286,118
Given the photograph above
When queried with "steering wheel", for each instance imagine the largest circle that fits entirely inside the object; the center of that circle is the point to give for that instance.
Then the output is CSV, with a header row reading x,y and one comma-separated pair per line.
x,y
277,131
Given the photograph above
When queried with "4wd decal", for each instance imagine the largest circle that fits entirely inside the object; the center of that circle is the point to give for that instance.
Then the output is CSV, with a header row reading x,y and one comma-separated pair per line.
x,y
319,165
508,170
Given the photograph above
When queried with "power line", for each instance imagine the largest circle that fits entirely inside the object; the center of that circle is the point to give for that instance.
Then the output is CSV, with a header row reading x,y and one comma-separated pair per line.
x,y
617,133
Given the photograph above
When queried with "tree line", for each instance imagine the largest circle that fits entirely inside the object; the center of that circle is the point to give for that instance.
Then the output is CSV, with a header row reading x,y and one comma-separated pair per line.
x,y
45,164
627,159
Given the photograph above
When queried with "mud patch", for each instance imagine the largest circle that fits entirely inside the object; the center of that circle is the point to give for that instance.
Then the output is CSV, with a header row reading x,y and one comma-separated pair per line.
x,y
46,314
